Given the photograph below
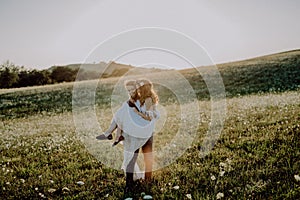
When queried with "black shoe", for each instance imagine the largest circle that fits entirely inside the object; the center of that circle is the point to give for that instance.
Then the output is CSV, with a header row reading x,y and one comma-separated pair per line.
x,y
109,137
128,192
121,138
103,137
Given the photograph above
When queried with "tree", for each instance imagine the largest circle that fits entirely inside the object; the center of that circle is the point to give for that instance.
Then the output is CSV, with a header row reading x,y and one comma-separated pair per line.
x,y
8,75
61,74
33,77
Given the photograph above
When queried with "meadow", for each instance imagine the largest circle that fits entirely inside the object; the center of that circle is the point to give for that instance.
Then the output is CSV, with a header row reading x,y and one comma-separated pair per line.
x,y
256,157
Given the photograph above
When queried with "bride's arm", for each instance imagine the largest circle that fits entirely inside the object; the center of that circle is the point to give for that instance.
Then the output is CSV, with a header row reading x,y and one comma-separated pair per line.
x,y
151,108
144,116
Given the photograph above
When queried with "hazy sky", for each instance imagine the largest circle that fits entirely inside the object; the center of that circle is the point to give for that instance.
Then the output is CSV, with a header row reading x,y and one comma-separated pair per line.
x,y
39,34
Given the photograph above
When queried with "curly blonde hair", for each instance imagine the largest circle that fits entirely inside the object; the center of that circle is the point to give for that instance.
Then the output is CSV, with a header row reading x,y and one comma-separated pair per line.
x,y
146,90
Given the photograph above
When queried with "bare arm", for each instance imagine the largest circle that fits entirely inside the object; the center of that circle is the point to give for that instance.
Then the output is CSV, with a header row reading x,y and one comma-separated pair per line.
x,y
150,108
149,104
144,116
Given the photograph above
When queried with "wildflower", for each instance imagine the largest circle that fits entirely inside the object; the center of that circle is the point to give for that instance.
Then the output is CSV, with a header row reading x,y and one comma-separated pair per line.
x,y
297,177
80,183
176,187
220,195
51,181
51,190
22,180
222,173
223,165
106,195
213,178
66,189
189,196
42,195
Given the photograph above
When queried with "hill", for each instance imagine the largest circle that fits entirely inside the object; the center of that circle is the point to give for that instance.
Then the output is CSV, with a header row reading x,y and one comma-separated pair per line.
x,y
111,69
271,73
267,74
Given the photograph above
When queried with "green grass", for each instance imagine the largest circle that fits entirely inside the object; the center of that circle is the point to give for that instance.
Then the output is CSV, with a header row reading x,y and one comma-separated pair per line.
x,y
259,149
268,74
260,138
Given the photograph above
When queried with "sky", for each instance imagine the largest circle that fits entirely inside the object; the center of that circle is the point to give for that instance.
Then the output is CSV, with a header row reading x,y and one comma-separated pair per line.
x,y
40,34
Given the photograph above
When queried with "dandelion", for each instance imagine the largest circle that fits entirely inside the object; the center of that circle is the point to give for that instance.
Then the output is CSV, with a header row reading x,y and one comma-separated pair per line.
x,y
176,187
189,196
42,195
223,165
80,183
66,189
51,190
222,173
297,177
220,195
213,178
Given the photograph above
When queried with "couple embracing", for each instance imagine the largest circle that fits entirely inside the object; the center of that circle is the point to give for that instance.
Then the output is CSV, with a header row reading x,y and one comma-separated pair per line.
x,y
135,122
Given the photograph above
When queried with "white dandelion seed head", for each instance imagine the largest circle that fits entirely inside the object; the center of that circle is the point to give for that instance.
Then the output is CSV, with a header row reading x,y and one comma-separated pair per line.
x,y
213,178
189,196
222,173
176,187
297,177
220,195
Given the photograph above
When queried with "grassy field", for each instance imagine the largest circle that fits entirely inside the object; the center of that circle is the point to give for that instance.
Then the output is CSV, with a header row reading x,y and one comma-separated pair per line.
x,y
256,157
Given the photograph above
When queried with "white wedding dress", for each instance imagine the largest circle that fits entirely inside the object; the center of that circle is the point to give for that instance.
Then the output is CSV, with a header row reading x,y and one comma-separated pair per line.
x,y
136,132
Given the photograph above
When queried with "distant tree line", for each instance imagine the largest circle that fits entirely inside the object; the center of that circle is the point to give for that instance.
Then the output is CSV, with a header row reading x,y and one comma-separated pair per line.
x,y
12,76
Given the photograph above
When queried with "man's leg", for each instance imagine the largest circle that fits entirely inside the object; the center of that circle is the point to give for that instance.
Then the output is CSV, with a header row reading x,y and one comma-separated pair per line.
x,y
130,170
148,158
